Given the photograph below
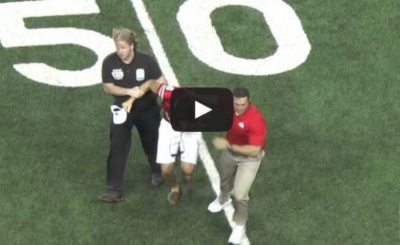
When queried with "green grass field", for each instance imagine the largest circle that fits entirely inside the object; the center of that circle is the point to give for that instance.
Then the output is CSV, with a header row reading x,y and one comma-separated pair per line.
x,y
331,173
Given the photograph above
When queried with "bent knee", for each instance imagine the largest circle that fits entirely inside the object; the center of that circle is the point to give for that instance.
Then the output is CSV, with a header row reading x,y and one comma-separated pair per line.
x,y
188,168
167,168
238,197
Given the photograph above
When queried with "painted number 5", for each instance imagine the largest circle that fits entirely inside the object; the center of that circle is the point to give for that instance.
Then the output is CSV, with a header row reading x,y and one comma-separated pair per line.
x,y
14,34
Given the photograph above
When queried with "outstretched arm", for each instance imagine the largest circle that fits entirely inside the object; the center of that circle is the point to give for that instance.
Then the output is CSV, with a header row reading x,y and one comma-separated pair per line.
x,y
152,85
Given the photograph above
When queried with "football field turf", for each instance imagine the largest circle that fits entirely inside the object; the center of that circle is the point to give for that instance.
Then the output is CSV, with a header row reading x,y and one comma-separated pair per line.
x,y
331,171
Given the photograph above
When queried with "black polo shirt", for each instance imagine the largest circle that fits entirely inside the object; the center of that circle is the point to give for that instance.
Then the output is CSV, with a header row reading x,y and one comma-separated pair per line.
x,y
142,68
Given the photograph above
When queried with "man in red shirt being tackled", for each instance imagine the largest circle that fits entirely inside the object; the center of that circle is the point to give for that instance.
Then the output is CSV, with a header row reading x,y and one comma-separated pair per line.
x,y
171,142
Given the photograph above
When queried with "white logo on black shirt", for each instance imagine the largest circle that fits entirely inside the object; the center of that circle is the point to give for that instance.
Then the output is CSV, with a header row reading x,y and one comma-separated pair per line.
x,y
140,74
117,74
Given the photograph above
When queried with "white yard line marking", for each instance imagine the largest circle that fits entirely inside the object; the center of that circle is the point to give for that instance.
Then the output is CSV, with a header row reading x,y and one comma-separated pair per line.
x,y
169,74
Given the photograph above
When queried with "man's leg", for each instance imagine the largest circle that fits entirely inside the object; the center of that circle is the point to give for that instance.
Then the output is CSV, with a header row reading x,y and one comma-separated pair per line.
x,y
148,127
167,149
227,169
190,144
120,144
245,176
187,174
168,171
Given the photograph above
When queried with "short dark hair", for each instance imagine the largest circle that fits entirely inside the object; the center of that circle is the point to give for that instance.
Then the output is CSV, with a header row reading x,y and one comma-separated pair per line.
x,y
241,92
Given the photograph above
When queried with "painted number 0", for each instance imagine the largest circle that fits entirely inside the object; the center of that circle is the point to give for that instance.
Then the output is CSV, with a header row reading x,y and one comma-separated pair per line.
x,y
203,41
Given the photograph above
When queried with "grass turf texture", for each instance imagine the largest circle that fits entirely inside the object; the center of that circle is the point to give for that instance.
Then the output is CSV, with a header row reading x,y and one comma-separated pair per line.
x,y
330,175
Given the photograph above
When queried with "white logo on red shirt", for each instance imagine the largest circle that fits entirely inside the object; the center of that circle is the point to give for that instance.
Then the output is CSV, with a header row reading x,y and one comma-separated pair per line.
x,y
241,125
117,74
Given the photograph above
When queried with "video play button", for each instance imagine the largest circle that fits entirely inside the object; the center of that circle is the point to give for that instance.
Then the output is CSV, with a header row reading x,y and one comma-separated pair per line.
x,y
200,109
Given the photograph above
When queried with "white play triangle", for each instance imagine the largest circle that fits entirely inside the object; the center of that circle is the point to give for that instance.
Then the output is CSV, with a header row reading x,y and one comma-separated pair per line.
x,y
200,109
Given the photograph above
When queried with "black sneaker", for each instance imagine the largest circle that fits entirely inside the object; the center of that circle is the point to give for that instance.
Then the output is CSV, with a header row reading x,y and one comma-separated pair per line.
x,y
112,196
157,179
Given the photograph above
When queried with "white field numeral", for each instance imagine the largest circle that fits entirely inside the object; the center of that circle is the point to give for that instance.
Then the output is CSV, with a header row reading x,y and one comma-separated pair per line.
x,y
293,45
13,33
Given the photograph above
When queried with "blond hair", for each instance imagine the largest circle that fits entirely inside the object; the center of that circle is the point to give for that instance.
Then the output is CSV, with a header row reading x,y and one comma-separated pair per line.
x,y
126,35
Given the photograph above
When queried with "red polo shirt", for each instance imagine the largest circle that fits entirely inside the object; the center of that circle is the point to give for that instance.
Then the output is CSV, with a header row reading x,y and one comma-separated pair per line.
x,y
249,128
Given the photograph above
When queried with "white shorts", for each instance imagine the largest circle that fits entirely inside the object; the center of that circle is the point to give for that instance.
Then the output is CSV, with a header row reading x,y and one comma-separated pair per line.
x,y
171,143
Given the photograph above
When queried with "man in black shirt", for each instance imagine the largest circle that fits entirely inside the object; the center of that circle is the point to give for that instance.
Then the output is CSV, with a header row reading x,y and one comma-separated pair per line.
x,y
123,72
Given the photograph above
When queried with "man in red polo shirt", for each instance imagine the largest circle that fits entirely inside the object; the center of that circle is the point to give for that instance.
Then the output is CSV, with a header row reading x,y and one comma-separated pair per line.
x,y
243,151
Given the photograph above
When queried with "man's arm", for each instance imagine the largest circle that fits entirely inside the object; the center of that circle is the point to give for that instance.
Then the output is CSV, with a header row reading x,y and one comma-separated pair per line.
x,y
248,150
111,88
152,85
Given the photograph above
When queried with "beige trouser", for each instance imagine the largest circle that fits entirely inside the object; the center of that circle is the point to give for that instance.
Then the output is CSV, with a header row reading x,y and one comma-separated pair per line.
x,y
237,174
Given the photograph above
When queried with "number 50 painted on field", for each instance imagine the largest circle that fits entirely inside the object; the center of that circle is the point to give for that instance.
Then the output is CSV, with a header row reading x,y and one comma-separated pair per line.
x,y
195,22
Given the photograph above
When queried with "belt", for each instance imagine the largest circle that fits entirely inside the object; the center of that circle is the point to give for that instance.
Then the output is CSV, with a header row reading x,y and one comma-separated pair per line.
x,y
238,155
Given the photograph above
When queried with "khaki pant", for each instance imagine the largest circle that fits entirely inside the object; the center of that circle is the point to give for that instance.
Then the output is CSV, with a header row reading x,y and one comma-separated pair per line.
x,y
237,175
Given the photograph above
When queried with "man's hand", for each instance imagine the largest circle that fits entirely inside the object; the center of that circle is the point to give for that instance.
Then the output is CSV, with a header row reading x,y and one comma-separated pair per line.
x,y
162,80
136,92
220,143
127,105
